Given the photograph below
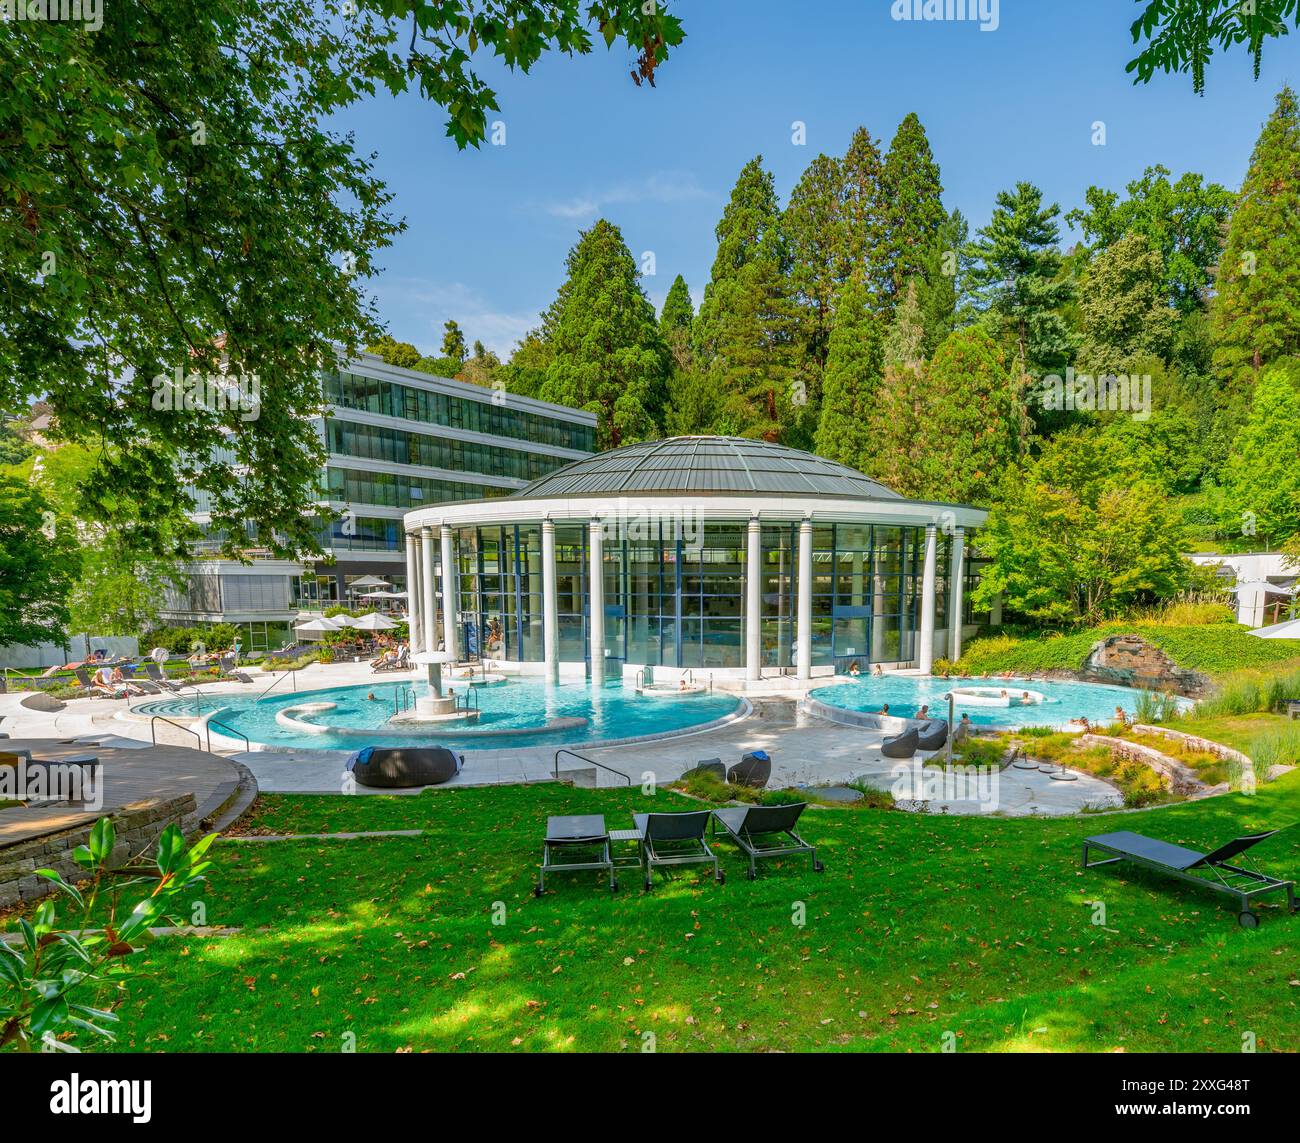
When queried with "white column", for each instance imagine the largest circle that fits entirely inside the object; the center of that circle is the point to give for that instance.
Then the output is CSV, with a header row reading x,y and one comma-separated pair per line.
x,y
550,605
450,594
925,652
804,634
413,593
956,593
428,601
596,599
754,600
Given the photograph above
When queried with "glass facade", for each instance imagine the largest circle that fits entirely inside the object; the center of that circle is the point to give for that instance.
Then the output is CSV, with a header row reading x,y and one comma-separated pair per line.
x,y
679,600
371,442
372,395
393,490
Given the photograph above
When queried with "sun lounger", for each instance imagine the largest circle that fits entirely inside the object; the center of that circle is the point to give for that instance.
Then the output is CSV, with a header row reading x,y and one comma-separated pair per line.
x,y
766,831
84,678
226,667
1239,881
675,839
575,843
155,673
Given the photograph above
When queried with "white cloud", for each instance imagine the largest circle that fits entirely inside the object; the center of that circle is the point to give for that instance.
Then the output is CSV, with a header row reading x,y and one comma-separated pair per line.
x,y
664,187
416,309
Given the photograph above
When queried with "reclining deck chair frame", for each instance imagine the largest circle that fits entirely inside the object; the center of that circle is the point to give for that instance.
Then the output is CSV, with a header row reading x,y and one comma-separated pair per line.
x,y
1238,881
766,831
666,839
575,843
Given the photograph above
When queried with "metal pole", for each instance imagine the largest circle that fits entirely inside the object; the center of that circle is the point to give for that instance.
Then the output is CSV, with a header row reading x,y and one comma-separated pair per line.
x,y
952,729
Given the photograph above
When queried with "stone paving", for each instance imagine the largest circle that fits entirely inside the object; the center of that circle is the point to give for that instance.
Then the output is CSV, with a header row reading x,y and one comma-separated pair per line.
x,y
128,775
805,750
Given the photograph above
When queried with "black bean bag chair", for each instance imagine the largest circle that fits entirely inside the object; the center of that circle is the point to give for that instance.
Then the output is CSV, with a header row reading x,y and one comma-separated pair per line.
x,y
900,745
399,766
753,769
932,734
712,766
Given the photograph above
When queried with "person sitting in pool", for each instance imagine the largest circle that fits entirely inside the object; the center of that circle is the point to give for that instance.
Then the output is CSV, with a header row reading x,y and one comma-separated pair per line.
x,y
964,729
1025,695
1121,716
1008,675
854,669
681,683
876,671
924,712
1005,695
1080,723
371,696
885,709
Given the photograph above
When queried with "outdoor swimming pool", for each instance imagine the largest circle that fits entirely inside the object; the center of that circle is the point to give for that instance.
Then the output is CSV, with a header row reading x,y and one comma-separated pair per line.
x,y
1061,701
606,713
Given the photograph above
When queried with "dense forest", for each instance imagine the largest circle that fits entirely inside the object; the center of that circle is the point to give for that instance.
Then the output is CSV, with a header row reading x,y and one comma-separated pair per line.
x,y
1140,389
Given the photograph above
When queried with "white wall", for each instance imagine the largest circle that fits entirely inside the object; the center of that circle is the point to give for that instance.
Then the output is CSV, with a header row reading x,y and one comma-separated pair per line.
x,y
52,654
1250,566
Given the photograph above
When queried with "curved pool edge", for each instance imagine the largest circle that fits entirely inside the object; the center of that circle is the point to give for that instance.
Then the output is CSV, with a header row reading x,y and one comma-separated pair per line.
x,y
744,708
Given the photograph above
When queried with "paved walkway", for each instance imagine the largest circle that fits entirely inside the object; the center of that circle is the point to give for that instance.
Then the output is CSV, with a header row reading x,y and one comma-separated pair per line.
x,y
129,773
805,750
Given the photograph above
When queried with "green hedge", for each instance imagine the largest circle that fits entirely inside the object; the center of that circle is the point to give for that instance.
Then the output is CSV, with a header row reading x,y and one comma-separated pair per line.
x,y
1211,648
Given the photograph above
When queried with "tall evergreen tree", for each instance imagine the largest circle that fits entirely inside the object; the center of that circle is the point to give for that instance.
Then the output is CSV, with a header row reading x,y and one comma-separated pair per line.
x,y
453,341
865,253
678,312
1124,309
905,342
1016,276
853,375
912,194
675,322
897,410
975,423
942,285
812,228
1262,479
1257,307
608,355
743,332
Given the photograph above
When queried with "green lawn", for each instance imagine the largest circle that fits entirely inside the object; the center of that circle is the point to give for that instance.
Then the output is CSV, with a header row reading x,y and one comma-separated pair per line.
x,y
1212,648
920,926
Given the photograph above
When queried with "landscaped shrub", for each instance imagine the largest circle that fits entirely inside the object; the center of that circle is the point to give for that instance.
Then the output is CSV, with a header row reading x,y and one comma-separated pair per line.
x,y
1275,748
1212,648
44,981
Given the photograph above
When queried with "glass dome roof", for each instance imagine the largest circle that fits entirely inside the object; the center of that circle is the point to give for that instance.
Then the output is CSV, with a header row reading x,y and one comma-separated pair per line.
x,y
704,466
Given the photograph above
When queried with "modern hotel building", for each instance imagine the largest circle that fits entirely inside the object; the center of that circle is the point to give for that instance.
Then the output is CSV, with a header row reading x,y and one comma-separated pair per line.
x,y
396,439
713,554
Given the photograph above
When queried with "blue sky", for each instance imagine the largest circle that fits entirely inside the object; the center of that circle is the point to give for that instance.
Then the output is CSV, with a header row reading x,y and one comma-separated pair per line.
x,y
488,230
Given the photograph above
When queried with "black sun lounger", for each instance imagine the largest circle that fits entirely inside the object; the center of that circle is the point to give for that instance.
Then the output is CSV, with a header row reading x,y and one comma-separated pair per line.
x,y
766,831
675,839
1238,881
574,843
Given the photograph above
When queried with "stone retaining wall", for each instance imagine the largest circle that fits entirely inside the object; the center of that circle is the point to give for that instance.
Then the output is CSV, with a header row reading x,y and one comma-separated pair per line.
x,y
138,826
1181,780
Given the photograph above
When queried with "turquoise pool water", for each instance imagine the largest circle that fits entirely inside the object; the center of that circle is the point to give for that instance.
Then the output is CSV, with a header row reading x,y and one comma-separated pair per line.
x,y
608,712
906,694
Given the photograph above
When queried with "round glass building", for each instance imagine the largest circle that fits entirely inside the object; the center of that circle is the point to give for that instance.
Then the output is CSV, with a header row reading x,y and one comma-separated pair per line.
x,y
733,556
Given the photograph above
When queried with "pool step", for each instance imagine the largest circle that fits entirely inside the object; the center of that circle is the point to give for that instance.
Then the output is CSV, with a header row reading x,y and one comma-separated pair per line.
x,y
584,779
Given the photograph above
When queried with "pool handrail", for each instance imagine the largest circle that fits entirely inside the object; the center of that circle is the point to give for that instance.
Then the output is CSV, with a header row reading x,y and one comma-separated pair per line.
x,y
589,761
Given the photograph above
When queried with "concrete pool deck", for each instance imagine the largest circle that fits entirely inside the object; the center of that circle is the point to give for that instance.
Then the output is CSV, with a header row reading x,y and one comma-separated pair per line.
x,y
806,750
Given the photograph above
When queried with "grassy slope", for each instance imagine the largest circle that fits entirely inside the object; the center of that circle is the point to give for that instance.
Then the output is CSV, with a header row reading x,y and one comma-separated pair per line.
x,y
1211,648
920,925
